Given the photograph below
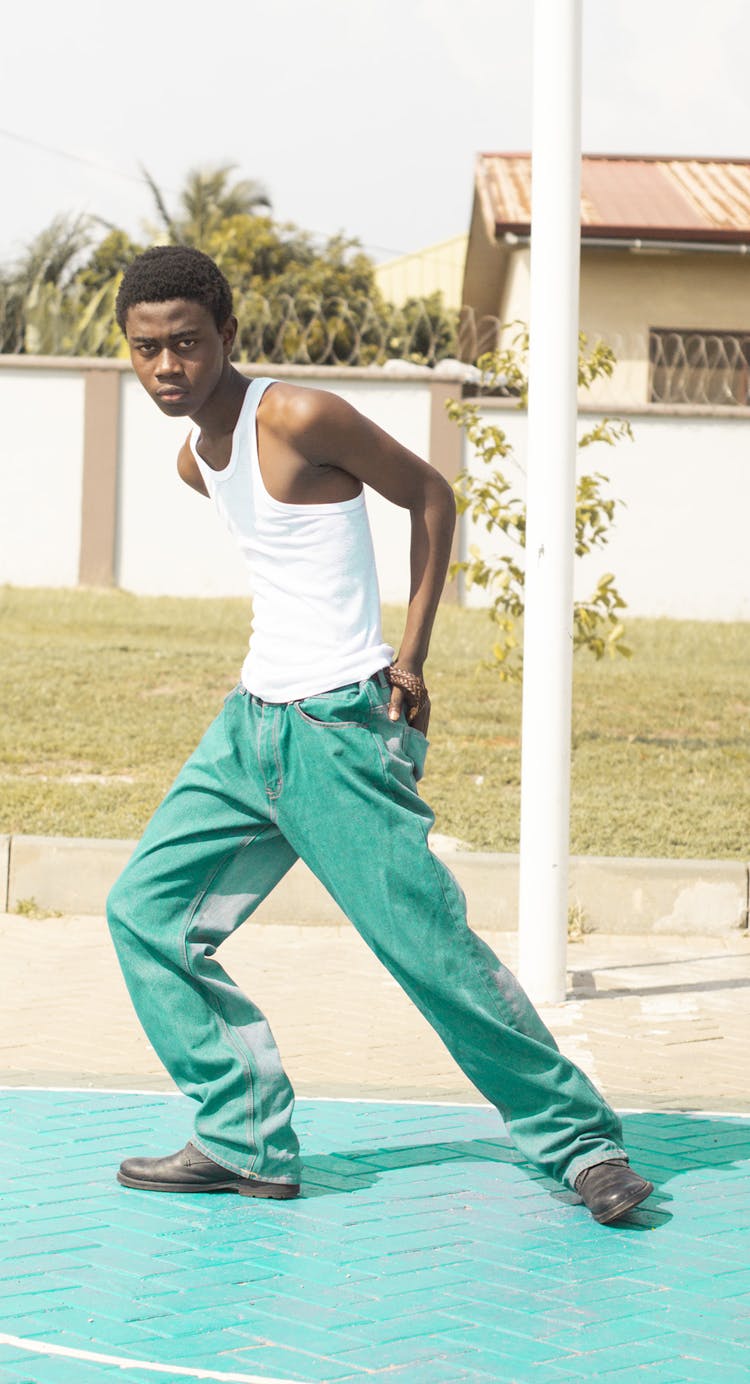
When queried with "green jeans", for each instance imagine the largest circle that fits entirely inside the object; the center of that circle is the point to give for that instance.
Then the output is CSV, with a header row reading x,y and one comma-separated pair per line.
x,y
332,780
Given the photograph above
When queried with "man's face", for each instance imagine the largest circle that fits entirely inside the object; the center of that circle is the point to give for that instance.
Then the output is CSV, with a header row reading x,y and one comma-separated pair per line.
x,y
178,353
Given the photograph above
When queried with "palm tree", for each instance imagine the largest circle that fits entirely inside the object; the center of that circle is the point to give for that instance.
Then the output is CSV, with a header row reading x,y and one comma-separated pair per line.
x,y
33,291
208,197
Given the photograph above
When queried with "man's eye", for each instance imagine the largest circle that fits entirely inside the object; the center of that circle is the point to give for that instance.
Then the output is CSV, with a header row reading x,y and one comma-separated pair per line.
x,y
187,342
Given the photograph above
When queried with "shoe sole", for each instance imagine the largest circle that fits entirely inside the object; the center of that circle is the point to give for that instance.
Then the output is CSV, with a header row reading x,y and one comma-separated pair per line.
x,y
247,1187
615,1213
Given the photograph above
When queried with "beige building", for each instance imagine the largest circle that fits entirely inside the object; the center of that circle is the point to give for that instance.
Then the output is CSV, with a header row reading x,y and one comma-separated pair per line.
x,y
438,267
665,272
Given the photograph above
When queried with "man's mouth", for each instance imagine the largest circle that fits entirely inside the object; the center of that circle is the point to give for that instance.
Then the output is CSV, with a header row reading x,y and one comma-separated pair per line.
x,y
171,393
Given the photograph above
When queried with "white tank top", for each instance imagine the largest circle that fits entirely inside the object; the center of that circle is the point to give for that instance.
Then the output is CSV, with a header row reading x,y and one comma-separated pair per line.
x,y
316,604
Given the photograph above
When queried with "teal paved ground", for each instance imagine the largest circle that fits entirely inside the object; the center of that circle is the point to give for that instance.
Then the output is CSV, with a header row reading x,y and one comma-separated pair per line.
x,y
422,1250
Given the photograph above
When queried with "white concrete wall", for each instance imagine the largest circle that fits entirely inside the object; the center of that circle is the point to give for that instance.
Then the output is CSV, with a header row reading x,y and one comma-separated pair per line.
x,y
41,469
170,541
403,410
679,545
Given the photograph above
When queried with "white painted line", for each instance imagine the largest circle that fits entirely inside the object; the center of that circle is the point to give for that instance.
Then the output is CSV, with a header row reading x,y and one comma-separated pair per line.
x,y
95,1090
124,1363
485,1105
667,1110
335,1100
396,1100
384,1100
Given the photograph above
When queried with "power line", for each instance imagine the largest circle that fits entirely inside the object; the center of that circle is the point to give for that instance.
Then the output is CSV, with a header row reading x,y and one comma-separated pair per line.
x,y
138,178
76,158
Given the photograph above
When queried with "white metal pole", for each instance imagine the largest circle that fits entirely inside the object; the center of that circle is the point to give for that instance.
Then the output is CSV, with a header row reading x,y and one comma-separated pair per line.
x,y
548,624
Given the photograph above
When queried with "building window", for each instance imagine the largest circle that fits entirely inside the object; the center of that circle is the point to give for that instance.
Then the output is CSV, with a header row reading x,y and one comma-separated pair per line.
x,y
699,367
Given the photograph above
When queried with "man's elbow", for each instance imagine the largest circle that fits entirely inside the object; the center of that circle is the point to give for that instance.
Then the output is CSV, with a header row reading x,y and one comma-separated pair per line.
x,y
442,498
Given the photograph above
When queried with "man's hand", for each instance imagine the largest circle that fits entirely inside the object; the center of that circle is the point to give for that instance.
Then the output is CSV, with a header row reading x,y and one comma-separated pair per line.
x,y
406,699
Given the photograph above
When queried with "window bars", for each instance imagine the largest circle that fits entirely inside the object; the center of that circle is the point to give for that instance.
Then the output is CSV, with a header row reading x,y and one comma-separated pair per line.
x,y
699,367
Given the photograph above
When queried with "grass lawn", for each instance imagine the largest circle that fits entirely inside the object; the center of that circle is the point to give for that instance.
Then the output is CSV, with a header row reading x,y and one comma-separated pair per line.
x,y
104,694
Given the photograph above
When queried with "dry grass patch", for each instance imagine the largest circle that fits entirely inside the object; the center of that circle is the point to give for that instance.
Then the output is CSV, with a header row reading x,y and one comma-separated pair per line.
x,y
104,694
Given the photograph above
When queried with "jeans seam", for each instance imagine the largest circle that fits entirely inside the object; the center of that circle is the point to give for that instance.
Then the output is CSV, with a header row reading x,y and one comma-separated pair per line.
x,y
247,1067
257,748
379,746
271,796
279,769
460,925
231,1167
213,999
588,1161
223,1161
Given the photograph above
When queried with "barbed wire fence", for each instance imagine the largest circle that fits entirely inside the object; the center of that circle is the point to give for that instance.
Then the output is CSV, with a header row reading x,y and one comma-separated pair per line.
x,y
311,330
683,367
336,331
275,328
303,329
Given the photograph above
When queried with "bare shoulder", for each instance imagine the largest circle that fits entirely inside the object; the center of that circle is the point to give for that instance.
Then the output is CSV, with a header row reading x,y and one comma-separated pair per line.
x,y
326,431
187,468
295,412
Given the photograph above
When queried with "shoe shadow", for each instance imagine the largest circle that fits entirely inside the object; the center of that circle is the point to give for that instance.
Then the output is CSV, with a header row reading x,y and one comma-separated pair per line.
x,y
348,1172
352,1170
662,1145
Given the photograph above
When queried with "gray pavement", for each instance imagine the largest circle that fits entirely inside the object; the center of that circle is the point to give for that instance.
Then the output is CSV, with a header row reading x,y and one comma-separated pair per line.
x,y
658,1022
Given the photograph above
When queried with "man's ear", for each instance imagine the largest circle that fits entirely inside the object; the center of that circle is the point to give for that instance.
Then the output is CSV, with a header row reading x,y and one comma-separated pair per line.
x,y
228,335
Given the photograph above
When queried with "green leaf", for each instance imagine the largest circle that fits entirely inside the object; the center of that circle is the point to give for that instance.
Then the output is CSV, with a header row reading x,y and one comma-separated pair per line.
x,y
491,502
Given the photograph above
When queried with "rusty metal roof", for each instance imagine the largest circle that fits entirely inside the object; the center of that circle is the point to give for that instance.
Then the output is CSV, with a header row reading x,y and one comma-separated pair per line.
x,y
630,198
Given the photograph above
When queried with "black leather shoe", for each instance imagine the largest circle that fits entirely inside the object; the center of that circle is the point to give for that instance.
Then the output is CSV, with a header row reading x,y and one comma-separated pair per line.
x,y
190,1171
611,1189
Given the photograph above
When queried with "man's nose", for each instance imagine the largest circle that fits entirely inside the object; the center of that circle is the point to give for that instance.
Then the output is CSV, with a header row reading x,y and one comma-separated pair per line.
x,y
168,363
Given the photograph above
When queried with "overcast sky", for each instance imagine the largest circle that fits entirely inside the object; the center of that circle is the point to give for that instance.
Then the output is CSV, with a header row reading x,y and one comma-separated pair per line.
x,y
362,116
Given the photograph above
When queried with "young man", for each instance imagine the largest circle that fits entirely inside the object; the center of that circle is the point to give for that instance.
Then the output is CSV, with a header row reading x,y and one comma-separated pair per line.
x,y
315,755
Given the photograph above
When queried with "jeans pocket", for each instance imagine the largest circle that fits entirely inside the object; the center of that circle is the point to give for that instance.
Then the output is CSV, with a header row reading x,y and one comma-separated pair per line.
x,y
344,706
405,749
416,746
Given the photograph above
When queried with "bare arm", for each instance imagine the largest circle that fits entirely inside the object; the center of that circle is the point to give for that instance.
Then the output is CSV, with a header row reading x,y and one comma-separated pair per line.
x,y
325,429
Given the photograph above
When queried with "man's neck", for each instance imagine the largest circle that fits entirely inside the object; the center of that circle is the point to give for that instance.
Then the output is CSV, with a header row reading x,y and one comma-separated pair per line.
x,y
218,416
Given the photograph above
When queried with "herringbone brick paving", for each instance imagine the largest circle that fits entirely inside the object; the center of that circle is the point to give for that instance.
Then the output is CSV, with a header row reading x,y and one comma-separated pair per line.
x,y
423,1250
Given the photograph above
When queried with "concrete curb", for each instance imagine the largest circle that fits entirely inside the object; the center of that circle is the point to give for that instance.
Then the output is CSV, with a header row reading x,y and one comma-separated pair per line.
x,y
609,894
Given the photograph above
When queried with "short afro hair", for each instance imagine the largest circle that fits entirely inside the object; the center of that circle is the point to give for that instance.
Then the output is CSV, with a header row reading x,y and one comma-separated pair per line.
x,y
174,271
